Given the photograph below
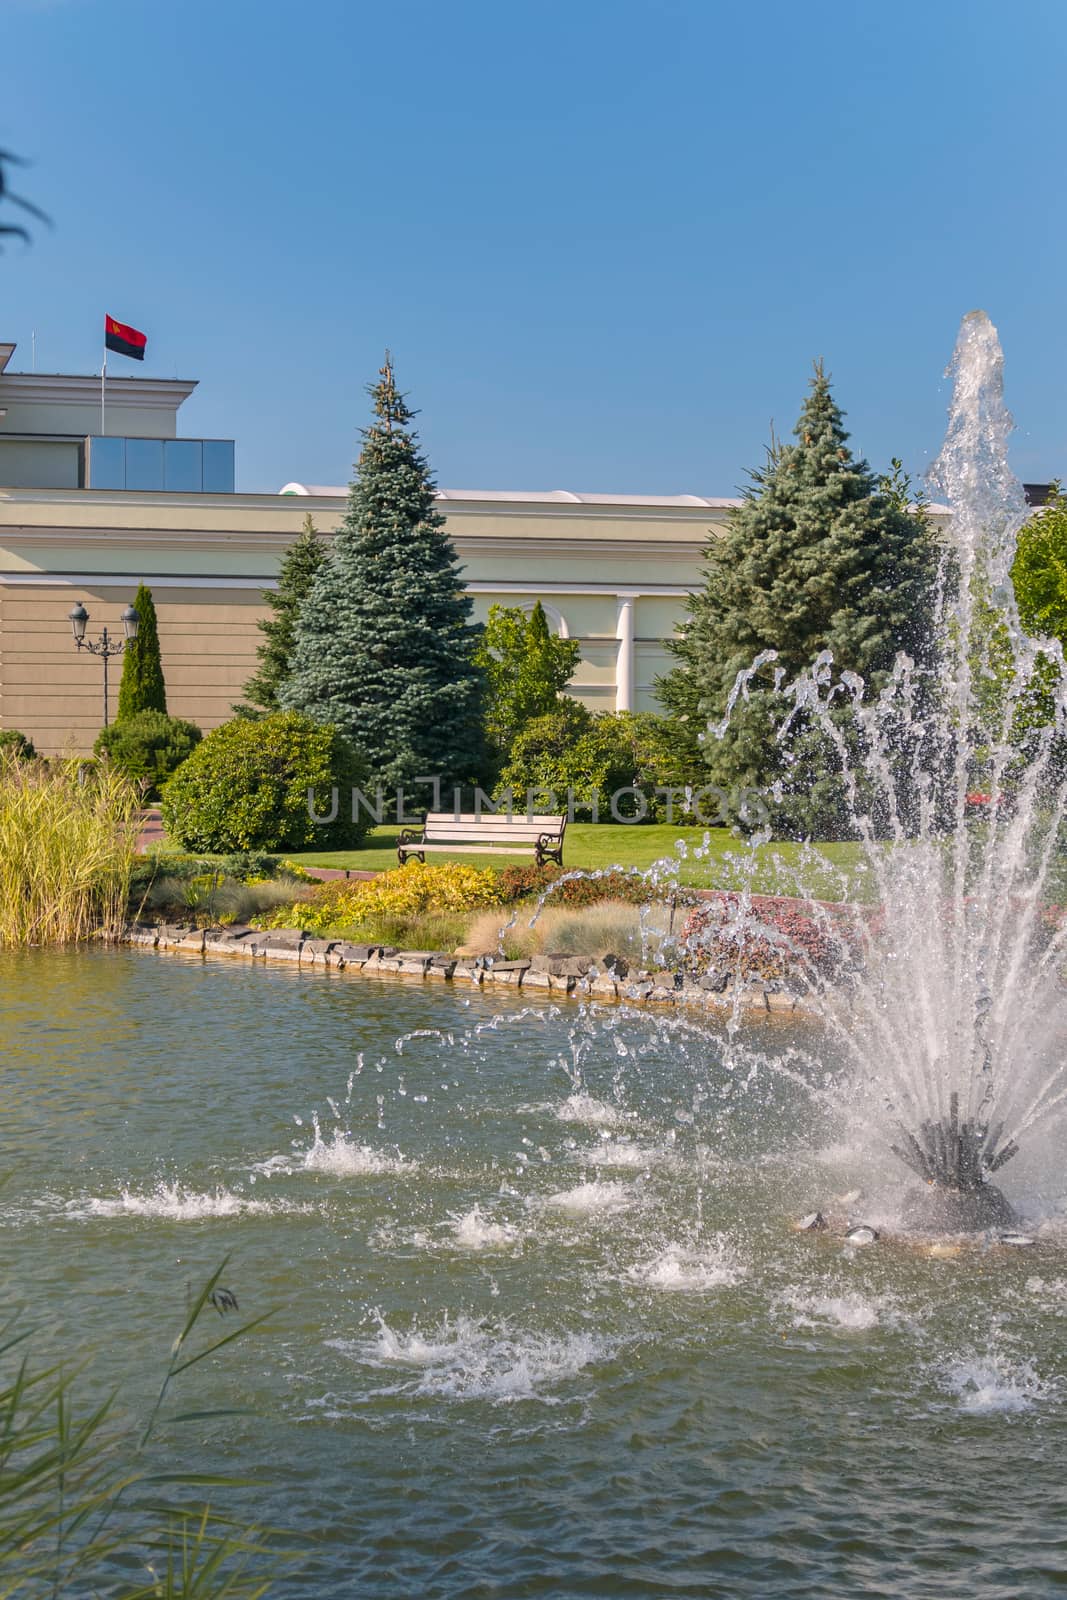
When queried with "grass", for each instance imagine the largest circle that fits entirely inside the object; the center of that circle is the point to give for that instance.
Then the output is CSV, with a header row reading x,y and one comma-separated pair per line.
x,y
68,840
727,861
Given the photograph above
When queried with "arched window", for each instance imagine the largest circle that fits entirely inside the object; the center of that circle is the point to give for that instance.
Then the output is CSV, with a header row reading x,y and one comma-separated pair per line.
x,y
556,620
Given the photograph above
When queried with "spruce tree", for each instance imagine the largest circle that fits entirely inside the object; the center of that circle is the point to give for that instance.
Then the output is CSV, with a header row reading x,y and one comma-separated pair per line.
x,y
142,687
819,556
385,649
303,561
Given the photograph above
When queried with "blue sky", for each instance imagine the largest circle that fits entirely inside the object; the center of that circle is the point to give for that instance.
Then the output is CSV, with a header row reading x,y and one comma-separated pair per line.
x,y
604,241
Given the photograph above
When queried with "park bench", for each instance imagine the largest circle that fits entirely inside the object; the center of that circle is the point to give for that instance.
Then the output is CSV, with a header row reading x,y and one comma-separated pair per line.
x,y
490,832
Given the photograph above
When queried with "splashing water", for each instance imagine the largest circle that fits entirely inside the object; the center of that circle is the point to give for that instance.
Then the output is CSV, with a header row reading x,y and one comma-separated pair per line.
x,y
953,1029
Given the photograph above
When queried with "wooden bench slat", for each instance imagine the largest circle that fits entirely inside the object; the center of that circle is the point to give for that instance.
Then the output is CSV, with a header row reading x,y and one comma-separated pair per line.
x,y
551,820
471,834
487,833
467,849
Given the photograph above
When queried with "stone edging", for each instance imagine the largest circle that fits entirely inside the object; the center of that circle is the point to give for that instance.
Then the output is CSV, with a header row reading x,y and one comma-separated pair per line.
x,y
567,976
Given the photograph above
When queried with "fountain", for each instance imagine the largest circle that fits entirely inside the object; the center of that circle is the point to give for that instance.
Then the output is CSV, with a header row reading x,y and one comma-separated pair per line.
x,y
953,1027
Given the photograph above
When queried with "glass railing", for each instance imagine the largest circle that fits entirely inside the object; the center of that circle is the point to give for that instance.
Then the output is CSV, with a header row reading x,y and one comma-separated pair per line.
x,y
180,466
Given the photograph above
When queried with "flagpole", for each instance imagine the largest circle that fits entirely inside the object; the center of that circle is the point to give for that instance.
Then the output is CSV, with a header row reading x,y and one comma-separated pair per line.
x,y
103,386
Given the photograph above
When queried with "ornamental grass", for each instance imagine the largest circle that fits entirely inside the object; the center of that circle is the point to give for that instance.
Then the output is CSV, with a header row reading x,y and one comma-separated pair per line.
x,y
68,839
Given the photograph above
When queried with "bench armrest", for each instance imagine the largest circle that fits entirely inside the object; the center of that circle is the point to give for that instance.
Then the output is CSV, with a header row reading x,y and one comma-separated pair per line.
x,y
549,847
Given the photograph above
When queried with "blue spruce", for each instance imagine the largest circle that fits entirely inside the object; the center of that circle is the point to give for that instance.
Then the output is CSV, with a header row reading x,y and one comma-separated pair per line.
x,y
385,649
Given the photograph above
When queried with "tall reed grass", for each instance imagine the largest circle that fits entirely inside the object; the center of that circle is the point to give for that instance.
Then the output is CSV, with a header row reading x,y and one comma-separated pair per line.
x,y
86,1508
68,838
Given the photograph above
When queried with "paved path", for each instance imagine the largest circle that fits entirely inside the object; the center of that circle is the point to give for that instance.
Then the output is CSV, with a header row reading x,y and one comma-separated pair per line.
x,y
151,835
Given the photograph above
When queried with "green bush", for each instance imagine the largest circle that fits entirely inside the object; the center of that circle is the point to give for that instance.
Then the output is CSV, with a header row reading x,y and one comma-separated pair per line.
x,y
246,788
148,746
16,744
599,757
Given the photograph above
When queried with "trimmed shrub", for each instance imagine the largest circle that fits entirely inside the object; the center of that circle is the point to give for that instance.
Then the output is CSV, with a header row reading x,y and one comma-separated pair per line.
x,y
16,744
246,787
148,746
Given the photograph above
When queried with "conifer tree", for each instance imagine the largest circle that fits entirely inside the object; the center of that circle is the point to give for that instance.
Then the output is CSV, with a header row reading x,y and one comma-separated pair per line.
x,y
142,687
385,649
303,561
819,556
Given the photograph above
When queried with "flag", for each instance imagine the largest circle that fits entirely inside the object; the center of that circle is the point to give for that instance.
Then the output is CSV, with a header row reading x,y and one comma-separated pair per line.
x,y
124,340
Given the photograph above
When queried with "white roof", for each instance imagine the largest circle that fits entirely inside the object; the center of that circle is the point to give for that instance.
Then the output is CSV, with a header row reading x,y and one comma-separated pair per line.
x,y
549,497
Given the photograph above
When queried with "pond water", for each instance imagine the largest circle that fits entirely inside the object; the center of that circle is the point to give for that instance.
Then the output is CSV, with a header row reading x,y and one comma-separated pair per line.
x,y
542,1327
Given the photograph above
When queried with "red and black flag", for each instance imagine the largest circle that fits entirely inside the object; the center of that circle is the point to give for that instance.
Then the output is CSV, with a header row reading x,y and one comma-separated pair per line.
x,y
124,340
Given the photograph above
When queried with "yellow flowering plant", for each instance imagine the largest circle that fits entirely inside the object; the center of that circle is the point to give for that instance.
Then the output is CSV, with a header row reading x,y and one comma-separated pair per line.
x,y
407,891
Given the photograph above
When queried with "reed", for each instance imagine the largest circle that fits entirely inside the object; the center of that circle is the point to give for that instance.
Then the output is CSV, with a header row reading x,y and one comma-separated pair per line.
x,y
87,1508
68,839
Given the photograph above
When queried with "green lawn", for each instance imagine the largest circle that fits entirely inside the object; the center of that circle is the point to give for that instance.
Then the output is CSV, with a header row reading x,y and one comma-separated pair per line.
x,y
725,863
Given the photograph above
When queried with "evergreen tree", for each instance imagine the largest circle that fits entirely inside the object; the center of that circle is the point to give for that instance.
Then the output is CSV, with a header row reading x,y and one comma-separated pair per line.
x,y
303,561
819,556
385,649
526,669
142,687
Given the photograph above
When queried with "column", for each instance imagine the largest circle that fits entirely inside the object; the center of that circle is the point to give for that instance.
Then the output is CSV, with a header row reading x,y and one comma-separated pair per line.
x,y
624,663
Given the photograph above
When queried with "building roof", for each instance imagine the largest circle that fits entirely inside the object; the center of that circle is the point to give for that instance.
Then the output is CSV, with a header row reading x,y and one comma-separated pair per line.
x,y
544,497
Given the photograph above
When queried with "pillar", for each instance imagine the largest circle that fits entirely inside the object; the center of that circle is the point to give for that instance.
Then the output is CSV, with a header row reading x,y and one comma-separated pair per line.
x,y
624,663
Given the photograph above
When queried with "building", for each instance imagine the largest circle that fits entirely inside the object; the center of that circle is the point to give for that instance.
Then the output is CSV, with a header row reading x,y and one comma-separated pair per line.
x,y
91,507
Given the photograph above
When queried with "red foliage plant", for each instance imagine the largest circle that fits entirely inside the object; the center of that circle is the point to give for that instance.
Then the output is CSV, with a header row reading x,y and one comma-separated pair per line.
x,y
772,939
586,889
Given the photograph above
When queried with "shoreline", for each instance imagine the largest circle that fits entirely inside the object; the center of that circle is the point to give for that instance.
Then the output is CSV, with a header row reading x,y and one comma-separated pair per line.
x,y
569,977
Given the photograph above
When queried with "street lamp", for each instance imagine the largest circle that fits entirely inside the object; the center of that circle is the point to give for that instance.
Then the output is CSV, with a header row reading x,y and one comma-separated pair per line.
x,y
105,647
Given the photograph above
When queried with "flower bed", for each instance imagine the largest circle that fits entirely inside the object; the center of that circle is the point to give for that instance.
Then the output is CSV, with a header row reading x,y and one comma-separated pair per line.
x,y
771,940
407,892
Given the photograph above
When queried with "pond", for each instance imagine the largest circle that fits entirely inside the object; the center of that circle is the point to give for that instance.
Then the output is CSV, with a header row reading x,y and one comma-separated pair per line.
x,y
541,1324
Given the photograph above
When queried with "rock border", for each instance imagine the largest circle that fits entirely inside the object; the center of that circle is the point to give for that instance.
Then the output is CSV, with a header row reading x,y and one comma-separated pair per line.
x,y
573,977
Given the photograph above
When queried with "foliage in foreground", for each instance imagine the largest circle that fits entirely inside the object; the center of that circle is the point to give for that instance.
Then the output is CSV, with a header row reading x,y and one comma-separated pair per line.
x,y
81,1509
68,839
148,746
246,787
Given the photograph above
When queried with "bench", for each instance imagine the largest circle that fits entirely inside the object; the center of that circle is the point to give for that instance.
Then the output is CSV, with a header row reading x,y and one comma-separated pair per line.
x,y
492,832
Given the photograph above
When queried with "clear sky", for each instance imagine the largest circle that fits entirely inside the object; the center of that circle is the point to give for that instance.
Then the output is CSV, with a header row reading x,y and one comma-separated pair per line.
x,y
604,241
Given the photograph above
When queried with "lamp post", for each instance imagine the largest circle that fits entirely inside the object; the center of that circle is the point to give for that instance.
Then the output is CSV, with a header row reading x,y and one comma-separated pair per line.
x,y
105,647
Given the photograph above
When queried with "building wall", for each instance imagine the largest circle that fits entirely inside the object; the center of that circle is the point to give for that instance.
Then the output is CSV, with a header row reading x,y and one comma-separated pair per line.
x,y
613,577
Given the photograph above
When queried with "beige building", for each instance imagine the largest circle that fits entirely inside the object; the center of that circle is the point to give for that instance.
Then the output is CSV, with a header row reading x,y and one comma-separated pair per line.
x,y
92,506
